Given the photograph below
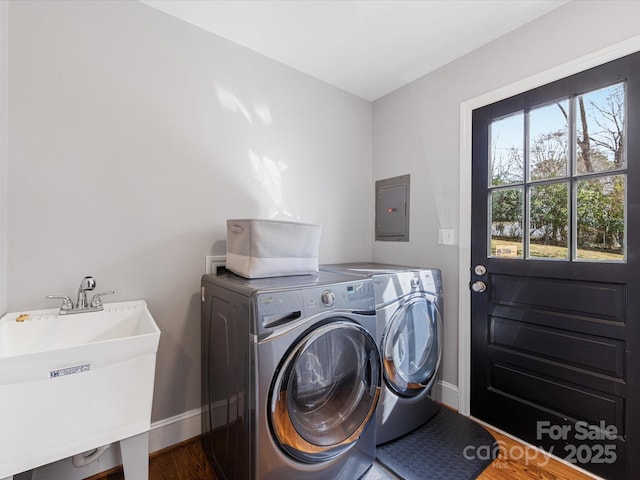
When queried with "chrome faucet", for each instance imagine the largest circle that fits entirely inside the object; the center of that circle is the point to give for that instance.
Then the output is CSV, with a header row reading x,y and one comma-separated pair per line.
x,y
87,284
82,305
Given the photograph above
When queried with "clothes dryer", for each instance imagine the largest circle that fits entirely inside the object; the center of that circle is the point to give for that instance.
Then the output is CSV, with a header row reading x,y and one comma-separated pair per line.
x,y
291,376
409,315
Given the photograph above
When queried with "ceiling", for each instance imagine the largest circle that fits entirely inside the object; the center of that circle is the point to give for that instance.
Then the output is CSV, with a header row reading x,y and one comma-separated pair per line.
x,y
366,47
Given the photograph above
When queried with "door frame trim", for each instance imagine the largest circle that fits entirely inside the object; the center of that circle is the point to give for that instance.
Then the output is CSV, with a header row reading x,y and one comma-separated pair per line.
x,y
593,59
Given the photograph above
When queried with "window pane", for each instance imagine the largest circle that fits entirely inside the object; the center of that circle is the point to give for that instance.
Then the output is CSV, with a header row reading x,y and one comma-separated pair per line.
x,y
507,150
506,223
548,141
600,118
549,221
600,218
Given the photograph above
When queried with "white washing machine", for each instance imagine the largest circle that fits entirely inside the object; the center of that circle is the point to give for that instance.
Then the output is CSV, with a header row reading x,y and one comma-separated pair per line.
x,y
409,311
291,376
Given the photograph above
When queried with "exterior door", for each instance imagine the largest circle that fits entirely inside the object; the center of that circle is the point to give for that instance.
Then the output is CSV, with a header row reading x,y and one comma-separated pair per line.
x,y
556,267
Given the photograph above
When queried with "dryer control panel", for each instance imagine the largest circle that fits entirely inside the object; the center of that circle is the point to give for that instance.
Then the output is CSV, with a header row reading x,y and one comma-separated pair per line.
x,y
352,296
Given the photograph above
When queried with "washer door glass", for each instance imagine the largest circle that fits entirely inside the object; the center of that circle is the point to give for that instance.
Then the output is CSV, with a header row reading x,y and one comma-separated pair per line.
x,y
411,347
326,391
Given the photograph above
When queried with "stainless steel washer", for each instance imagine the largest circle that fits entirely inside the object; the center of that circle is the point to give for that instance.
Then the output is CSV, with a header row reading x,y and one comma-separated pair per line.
x,y
409,311
291,376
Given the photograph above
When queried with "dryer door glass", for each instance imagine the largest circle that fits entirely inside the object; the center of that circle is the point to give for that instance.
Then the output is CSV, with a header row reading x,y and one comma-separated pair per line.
x,y
411,347
326,391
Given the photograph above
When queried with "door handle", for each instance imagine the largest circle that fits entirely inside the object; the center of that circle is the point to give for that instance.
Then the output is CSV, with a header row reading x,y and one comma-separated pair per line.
x,y
478,286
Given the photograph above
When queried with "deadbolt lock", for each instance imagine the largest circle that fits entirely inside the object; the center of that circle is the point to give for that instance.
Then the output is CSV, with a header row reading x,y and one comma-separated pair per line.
x,y
480,270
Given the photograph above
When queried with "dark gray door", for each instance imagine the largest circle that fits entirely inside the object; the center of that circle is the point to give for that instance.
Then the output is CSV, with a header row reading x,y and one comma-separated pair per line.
x,y
556,269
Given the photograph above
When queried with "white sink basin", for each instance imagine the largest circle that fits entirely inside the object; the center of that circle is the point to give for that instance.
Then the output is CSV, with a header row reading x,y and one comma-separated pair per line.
x,y
72,383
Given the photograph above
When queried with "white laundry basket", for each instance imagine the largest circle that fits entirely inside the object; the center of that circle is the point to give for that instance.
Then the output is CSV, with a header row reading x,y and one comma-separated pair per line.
x,y
272,248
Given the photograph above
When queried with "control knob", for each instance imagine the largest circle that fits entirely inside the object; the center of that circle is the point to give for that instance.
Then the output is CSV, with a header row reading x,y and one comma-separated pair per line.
x,y
328,297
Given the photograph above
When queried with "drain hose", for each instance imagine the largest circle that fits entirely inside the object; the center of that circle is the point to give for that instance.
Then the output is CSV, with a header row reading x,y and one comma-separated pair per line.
x,y
90,456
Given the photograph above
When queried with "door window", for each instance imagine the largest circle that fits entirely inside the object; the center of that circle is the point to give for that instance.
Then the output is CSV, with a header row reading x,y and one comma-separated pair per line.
x,y
557,182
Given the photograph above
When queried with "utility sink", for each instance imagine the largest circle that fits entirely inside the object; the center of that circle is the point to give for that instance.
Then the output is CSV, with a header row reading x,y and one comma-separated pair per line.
x,y
71,383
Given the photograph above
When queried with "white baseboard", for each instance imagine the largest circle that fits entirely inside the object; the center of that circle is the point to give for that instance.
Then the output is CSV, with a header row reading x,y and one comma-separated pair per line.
x,y
446,393
176,429
162,434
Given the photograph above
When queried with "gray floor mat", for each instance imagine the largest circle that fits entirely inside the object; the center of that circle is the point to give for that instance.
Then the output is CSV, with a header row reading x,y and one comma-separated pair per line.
x,y
449,446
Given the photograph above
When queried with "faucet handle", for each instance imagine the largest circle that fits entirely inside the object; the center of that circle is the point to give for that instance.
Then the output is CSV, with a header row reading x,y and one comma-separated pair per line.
x,y
66,303
96,300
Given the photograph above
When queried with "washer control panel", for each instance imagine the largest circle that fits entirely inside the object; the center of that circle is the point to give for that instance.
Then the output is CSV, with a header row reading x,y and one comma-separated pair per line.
x,y
278,308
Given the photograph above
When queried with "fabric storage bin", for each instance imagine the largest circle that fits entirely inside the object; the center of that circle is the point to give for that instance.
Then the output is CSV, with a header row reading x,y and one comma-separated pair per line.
x,y
272,248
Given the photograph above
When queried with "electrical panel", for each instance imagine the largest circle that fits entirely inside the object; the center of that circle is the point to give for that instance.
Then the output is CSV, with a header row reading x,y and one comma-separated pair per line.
x,y
392,209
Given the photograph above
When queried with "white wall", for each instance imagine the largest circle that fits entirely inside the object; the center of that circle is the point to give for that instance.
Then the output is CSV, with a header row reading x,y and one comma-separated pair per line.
x,y
133,136
4,32
416,130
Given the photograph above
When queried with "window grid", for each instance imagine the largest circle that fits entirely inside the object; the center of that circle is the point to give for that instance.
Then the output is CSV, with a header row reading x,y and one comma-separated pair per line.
x,y
572,178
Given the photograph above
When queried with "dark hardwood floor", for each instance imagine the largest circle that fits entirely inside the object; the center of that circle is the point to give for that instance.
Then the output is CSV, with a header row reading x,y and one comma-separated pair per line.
x,y
513,464
186,461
